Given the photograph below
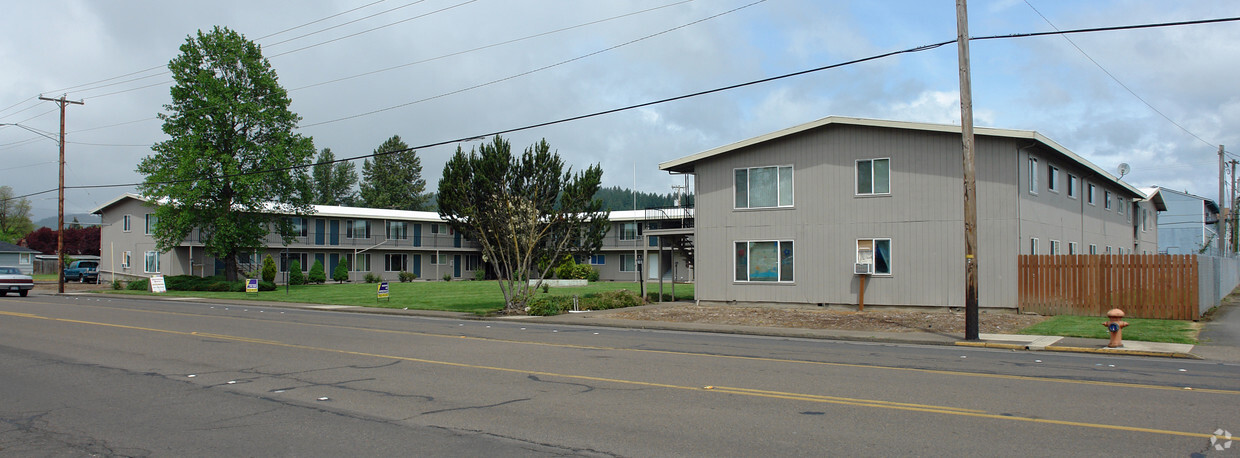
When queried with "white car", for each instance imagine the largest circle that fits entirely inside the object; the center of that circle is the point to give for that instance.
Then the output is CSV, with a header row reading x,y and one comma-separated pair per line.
x,y
13,280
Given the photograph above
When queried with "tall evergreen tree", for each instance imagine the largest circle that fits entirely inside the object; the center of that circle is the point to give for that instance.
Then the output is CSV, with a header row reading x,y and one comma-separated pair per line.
x,y
333,183
228,167
393,179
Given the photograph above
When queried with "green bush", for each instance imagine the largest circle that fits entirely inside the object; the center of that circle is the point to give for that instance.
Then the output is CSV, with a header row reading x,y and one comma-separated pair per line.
x,y
480,274
117,285
611,300
549,305
139,285
447,276
654,297
372,278
295,276
570,270
593,275
407,276
341,273
220,286
317,274
269,269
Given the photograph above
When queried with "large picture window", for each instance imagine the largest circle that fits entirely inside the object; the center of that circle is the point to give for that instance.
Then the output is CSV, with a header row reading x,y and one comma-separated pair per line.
x,y
361,262
357,229
763,187
876,252
764,261
628,263
397,230
151,222
628,231
299,226
873,177
286,259
395,262
152,262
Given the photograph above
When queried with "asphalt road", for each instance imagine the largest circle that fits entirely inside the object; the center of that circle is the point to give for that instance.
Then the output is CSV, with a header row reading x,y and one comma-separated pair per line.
x,y
135,377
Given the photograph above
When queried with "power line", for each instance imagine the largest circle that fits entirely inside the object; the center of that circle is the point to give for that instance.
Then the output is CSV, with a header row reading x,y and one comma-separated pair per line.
x,y
344,23
1114,78
318,20
374,29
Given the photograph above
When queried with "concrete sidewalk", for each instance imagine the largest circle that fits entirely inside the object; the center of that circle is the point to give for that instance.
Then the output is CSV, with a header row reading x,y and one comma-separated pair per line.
x,y
1226,348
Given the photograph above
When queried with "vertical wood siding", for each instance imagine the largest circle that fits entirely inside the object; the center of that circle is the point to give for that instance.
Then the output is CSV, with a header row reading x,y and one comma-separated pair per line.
x,y
1143,286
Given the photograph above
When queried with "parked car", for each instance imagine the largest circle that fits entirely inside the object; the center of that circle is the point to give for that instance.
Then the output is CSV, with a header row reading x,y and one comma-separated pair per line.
x,y
83,271
13,280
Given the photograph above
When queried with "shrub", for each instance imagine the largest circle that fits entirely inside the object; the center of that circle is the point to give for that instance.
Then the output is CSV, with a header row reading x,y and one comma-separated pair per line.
x,y
545,288
317,274
269,269
570,270
295,277
447,276
611,300
221,286
592,275
549,305
341,273
372,278
139,285
407,276
480,274
117,285
654,297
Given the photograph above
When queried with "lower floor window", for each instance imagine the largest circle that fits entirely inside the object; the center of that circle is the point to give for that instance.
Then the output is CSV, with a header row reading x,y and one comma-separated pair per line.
x,y
876,252
765,261
23,258
152,262
598,259
125,259
395,262
286,260
628,263
361,262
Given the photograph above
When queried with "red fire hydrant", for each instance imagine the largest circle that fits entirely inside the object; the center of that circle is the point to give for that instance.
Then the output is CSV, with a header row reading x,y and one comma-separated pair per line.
x,y
1115,325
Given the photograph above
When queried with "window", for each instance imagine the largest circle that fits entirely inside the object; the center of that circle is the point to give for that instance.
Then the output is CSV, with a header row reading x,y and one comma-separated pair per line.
x,y
1071,247
395,262
766,261
151,221
1120,204
598,259
397,230
1054,247
24,259
1071,186
628,263
763,187
1093,249
1089,196
361,262
1033,175
876,252
1052,178
1145,216
1106,203
873,177
628,231
1108,249
302,261
126,223
152,262
299,226
440,228
1120,250
357,229
1033,245
440,259
126,258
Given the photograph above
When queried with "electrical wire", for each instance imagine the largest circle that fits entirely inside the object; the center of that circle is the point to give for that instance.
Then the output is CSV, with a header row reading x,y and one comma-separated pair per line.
x,y
343,24
317,20
333,40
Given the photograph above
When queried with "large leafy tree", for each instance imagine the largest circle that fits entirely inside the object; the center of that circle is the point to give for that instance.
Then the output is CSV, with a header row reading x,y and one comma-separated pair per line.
x,y
393,180
523,210
333,182
230,165
14,216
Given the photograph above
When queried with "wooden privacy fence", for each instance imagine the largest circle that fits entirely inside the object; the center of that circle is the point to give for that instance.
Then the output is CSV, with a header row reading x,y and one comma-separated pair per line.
x,y
1143,286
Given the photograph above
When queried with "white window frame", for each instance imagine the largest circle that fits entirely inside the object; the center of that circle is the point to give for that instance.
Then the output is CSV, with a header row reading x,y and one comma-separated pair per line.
x,y
1093,248
598,259
874,245
151,221
1033,175
351,230
626,235
1054,247
623,264
127,223
24,259
1071,248
402,234
779,171
779,264
1033,245
355,265
1108,249
126,258
1106,204
387,262
1071,186
873,180
146,262
1089,196
1052,179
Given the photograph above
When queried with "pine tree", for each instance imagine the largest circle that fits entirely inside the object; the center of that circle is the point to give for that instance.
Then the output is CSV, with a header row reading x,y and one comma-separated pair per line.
x,y
316,275
393,180
295,277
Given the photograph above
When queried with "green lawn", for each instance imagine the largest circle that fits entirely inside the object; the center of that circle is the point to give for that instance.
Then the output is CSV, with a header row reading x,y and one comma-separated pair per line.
x,y
46,277
1173,331
480,297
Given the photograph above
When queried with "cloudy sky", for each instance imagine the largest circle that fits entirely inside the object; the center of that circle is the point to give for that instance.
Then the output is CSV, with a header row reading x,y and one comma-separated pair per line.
x,y
360,71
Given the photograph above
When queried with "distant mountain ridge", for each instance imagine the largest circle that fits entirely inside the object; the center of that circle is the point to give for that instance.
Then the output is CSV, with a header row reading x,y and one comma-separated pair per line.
x,y
85,219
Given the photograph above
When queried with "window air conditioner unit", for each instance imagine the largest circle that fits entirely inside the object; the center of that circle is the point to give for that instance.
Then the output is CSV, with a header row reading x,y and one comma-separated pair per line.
x,y
863,269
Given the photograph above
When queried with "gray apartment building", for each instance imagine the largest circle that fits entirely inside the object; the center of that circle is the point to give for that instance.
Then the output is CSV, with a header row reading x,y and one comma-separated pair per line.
x,y
377,241
1190,224
792,216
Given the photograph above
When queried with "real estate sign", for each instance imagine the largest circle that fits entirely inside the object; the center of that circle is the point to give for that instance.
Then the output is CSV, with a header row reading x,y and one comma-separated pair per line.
x,y
157,284
383,291
251,285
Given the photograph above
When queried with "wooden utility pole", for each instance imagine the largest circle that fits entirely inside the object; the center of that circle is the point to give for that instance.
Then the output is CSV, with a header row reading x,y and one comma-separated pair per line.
x,y
60,206
1231,212
970,181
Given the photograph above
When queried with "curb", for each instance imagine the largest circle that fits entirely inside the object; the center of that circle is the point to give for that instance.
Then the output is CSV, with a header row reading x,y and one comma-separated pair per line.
x,y
1107,351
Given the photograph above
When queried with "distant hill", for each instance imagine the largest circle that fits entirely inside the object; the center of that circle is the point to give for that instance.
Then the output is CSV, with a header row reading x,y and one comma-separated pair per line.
x,y
86,219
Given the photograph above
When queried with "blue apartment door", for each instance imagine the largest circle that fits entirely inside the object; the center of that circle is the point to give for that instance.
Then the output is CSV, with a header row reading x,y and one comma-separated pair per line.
x,y
319,229
417,235
417,265
456,262
332,260
334,233
456,241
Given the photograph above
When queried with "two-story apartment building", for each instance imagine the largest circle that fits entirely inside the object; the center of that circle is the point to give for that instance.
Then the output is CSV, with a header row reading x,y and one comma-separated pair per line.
x,y
376,241
1190,224
786,217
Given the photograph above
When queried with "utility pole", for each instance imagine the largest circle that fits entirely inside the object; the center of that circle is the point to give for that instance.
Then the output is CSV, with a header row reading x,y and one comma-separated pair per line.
x,y
1221,180
970,181
1231,213
60,206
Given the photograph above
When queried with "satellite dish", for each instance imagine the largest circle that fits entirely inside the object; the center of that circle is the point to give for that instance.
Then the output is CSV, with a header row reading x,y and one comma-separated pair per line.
x,y
1124,169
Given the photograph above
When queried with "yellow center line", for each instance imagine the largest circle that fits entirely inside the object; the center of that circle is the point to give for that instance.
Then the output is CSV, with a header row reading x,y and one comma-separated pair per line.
x,y
701,355
871,403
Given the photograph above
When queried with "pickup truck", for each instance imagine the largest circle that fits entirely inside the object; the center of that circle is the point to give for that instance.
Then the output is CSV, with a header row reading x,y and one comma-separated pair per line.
x,y
83,271
14,281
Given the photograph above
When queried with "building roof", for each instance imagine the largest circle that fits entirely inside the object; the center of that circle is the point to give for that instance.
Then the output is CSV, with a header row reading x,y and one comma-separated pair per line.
x,y
1209,203
686,164
6,247
1154,195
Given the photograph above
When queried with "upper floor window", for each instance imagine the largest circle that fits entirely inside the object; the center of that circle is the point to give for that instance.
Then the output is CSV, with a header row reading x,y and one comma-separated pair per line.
x,y
1107,202
397,230
1033,245
1121,203
1071,185
1089,194
1052,178
439,228
873,177
357,229
763,187
151,221
300,228
628,231
126,223
1033,175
